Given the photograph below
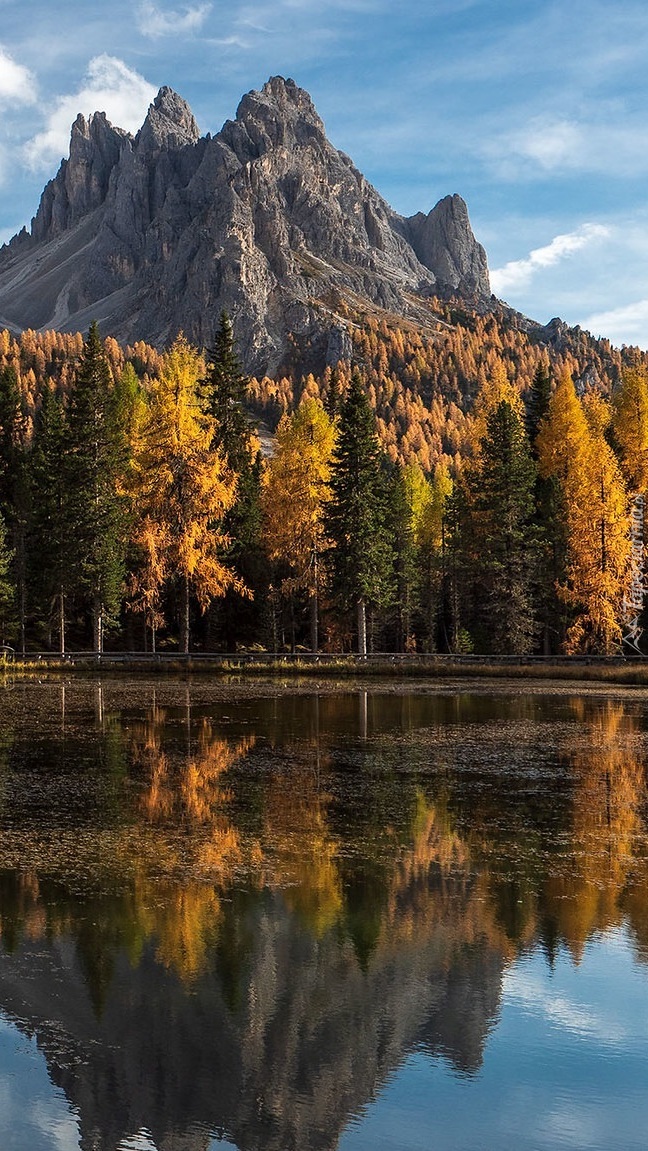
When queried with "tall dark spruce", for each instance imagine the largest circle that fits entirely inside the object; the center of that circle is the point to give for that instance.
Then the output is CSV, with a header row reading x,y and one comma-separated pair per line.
x,y
549,520
356,517
95,461
14,506
505,539
236,618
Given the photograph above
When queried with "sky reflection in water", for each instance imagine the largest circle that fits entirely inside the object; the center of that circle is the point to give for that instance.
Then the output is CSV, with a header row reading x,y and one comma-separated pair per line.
x,y
251,919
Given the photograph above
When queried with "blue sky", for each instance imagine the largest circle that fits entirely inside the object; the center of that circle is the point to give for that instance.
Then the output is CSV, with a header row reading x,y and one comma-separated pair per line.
x,y
535,112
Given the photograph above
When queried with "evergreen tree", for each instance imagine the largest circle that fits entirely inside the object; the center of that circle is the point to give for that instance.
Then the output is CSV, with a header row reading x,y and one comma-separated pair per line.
x,y
505,549
537,404
6,586
550,569
355,520
52,532
236,618
96,459
226,388
14,490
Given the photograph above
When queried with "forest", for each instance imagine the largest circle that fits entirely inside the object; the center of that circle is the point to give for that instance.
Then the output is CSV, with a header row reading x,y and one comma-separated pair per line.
x,y
466,490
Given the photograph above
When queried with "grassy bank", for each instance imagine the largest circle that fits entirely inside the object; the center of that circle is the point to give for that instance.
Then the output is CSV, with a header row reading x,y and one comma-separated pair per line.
x,y
591,669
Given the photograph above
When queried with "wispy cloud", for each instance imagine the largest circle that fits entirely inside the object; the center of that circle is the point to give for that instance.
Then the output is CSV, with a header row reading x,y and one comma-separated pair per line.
x,y
109,86
518,273
17,83
156,22
624,325
614,145
585,1020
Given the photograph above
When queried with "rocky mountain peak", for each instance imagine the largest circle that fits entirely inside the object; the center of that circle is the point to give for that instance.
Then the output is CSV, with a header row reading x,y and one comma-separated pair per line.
x,y
266,219
82,181
443,240
280,115
169,123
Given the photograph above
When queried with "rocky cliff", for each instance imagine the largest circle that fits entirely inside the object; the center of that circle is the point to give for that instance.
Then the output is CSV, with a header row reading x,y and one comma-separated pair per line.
x,y
156,233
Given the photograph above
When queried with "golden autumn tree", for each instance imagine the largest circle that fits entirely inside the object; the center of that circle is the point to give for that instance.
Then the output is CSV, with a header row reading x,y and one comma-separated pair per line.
x,y
630,422
181,489
572,447
495,388
296,490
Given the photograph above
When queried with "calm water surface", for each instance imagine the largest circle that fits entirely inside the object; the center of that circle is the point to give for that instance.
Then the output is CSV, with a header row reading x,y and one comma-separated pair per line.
x,y
283,918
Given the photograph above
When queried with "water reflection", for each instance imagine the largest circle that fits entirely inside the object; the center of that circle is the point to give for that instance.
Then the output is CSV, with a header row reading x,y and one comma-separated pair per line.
x,y
232,914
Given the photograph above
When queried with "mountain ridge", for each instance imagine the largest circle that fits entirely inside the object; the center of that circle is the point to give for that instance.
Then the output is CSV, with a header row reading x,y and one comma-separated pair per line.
x,y
158,232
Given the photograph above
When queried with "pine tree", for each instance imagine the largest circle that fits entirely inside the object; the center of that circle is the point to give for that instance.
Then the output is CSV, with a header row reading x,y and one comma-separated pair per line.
x,y
7,590
502,490
355,520
225,388
537,404
14,489
52,528
95,458
235,618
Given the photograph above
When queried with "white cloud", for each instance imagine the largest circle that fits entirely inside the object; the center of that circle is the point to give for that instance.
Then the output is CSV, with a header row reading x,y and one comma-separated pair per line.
x,y
624,325
587,1021
554,145
154,22
109,86
518,273
613,144
17,83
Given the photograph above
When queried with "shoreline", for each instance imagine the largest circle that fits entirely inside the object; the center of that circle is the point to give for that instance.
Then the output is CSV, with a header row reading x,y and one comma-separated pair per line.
x,y
305,666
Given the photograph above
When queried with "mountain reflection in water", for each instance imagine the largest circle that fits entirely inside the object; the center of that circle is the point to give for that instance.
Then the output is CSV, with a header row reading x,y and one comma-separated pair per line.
x,y
225,913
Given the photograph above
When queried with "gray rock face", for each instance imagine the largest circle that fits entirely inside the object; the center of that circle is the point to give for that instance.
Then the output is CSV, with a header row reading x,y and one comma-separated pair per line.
x,y
157,233
443,241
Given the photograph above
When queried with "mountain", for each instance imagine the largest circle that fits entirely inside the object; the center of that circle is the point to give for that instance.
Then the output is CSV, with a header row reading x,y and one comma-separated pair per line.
x,y
158,232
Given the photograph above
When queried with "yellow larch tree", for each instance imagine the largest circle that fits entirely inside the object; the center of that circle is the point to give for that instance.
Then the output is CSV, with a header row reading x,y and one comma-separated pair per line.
x,y
495,388
630,422
572,447
181,489
296,490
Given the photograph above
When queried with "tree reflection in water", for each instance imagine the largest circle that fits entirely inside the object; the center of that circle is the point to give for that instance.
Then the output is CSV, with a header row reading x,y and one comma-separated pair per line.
x,y
249,932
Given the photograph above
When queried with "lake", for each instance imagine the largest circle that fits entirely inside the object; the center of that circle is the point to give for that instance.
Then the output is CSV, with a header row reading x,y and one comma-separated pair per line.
x,y
280,916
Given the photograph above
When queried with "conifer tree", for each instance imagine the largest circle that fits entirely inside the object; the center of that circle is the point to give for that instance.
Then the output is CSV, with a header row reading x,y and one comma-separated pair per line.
x,y
225,388
630,423
14,489
6,586
537,404
182,488
296,491
573,447
95,457
416,532
52,527
355,521
505,548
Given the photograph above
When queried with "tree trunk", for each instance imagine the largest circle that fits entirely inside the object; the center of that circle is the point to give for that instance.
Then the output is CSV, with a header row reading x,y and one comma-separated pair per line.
x,y
185,622
362,628
62,622
314,638
97,625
